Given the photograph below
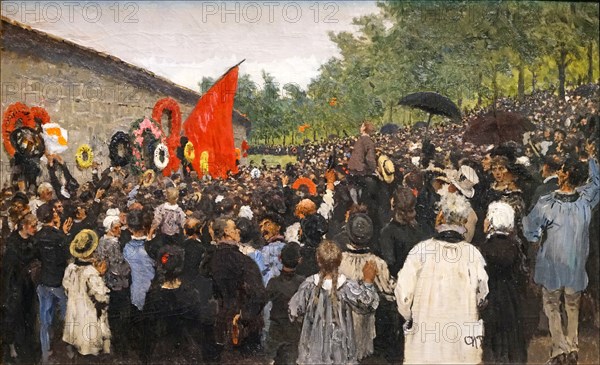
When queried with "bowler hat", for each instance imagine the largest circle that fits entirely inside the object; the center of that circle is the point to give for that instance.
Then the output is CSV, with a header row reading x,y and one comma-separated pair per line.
x,y
359,228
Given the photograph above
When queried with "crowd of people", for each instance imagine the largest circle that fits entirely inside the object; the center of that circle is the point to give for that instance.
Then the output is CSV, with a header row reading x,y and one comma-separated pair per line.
x,y
414,247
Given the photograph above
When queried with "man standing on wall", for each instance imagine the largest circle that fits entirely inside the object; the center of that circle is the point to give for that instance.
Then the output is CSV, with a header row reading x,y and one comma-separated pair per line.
x,y
362,162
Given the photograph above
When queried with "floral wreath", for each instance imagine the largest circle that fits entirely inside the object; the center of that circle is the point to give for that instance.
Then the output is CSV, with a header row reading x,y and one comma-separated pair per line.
x,y
189,152
145,135
312,188
10,121
119,149
173,140
84,156
161,156
39,115
148,178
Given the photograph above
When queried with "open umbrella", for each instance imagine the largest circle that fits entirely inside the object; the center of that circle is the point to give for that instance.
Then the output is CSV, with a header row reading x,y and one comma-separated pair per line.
x,y
496,129
587,90
389,128
419,125
432,103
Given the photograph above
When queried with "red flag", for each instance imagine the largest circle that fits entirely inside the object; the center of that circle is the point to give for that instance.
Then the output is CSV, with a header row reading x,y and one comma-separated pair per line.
x,y
209,127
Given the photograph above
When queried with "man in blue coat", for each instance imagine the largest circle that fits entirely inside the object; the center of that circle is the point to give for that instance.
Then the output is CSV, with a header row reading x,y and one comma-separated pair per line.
x,y
563,217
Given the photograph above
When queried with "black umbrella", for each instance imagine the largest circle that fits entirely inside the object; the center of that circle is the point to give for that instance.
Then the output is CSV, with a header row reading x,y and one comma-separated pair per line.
x,y
432,103
418,125
389,128
497,128
586,90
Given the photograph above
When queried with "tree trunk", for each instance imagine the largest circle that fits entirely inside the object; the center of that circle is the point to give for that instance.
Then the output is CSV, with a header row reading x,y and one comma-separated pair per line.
x,y
293,138
494,90
391,110
284,139
479,99
533,81
590,54
562,68
521,82
314,135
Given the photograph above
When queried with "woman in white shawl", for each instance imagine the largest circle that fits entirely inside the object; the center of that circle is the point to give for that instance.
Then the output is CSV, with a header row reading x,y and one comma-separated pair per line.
x,y
439,290
325,302
86,320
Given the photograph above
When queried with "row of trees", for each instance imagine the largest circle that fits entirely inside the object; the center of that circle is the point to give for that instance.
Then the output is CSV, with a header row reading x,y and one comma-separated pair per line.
x,y
472,52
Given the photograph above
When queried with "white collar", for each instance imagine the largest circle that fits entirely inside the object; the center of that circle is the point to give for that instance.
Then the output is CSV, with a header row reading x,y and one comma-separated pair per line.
x,y
326,284
168,205
550,178
451,227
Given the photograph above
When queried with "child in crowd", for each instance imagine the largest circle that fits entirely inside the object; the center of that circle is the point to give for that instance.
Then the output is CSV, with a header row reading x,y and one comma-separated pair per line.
x,y
327,300
169,218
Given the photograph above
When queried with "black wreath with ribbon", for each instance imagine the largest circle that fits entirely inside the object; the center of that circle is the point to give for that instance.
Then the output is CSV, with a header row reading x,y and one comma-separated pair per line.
x,y
120,149
27,142
29,146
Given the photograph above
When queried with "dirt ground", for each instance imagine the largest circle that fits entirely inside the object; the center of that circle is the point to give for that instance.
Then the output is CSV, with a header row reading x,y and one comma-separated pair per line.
x,y
539,348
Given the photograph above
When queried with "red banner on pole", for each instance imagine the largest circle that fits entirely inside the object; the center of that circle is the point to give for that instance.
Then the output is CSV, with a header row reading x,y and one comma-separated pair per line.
x,y
210,128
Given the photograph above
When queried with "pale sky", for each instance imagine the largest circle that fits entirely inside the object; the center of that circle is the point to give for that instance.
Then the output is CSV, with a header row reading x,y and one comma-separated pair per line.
x,y
184,41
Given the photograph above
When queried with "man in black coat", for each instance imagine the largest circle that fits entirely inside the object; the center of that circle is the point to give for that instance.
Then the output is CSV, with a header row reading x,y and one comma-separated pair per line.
x,y
193,247
52,249
238,288
18,294
86,214
552,163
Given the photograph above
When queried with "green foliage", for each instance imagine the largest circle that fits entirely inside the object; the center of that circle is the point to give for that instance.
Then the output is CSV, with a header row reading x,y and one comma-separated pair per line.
x,y
472,52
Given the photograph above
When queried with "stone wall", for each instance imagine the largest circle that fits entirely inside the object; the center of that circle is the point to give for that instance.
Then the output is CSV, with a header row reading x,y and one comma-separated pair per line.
x,y
90,102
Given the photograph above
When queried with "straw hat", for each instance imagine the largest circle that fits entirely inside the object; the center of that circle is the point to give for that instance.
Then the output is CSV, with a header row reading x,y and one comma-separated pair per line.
x,y
84,244
386,169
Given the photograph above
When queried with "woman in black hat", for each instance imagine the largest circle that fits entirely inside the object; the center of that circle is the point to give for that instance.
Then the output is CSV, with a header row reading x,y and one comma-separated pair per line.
x,y
177,313
357,254
313,228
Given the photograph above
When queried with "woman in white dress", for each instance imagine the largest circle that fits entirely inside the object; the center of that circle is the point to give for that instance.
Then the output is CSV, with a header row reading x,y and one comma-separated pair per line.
x,y
86,321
